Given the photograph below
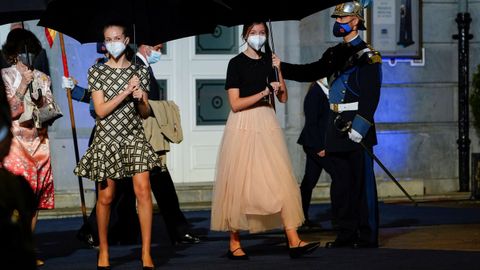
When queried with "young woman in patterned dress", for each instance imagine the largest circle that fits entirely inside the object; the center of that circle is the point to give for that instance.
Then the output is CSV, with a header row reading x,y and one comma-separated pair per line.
x,y
119,148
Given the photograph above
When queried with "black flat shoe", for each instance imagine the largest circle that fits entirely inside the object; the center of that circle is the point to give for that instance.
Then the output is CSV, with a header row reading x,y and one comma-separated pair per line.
x,y
231,256
297,252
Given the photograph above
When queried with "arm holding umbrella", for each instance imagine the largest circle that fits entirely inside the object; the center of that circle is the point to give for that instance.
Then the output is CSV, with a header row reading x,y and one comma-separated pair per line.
x,y
333,59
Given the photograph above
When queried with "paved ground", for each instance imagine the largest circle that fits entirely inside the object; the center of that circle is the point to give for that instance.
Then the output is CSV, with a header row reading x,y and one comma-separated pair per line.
x,y
435,235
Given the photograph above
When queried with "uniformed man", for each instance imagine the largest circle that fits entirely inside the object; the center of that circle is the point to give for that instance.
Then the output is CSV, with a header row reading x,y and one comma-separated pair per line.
x,y
354,72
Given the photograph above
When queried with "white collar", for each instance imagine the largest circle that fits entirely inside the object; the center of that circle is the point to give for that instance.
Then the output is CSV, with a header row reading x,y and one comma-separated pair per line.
x,y
353,38
143,59
323,83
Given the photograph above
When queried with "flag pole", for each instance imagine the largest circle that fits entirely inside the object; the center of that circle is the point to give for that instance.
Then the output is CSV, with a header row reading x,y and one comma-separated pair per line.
x,y
72,121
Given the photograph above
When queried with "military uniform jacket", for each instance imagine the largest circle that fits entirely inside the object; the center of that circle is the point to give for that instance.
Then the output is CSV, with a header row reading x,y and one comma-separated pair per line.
x,y
354,72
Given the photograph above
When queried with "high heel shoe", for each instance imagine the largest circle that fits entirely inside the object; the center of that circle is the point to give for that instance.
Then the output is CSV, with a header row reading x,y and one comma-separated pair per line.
x,y
231,256
147,267
102,267
297,252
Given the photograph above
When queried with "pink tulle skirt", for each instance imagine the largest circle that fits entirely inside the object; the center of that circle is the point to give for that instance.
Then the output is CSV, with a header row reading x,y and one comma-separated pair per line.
x,y
255,188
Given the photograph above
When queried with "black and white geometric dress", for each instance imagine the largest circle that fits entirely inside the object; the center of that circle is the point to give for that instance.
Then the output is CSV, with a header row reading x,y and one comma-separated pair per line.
x,y
119,148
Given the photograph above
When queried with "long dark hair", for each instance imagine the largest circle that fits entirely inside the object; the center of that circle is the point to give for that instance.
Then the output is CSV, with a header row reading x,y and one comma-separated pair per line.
x,y
246,29
17,40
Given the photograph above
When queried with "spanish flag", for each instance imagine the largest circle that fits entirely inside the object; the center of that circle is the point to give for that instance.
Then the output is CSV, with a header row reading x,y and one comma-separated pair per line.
x,y
50,34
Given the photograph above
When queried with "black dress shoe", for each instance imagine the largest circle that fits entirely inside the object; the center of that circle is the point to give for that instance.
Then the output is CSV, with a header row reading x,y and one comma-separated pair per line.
x,y
189,238
87,238
297,252
338,244
231,256
359,244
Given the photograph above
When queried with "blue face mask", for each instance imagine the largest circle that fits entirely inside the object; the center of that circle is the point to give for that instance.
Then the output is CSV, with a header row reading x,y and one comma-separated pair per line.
x,y
153,57
341,29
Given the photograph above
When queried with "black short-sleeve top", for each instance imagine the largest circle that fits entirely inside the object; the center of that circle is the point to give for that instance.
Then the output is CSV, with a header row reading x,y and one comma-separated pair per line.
x,y
249,75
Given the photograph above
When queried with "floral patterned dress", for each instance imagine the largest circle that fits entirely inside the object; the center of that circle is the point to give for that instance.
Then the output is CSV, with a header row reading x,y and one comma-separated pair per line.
x,y
29,154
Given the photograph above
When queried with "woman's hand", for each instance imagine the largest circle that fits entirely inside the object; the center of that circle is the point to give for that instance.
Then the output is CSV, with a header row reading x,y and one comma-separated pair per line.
x,y
276,87
276,61
133,85
27,76
139,94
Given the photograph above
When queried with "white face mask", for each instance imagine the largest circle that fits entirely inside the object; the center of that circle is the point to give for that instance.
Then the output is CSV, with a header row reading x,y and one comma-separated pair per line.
x,y
115,48
256,41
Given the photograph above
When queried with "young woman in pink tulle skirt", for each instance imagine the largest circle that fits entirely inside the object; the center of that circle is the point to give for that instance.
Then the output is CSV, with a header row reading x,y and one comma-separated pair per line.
x,y
255,189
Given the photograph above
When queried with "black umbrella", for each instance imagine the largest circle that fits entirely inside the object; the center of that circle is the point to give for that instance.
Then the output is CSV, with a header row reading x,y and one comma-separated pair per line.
x,y
155,21
245,11
21,10
241,12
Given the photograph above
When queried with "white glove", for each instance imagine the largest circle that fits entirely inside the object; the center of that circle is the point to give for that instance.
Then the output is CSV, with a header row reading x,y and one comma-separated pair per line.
x,y
67,82
354,136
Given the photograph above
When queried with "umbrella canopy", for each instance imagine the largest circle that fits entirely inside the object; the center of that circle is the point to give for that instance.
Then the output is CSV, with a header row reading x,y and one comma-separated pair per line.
x,y
155,21
241,12
21,10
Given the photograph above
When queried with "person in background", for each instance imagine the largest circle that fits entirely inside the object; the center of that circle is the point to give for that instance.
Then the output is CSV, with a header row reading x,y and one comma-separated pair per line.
x,y
160,179
312,138
17,203
29,154
41,60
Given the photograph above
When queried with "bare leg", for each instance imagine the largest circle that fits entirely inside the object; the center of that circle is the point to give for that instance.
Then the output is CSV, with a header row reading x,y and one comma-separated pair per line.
x,y
235,245
106,192
141,186
293,238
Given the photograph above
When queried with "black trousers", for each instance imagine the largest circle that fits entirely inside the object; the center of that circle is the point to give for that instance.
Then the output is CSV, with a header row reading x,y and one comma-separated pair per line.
x,y
313,169
354,197
166,196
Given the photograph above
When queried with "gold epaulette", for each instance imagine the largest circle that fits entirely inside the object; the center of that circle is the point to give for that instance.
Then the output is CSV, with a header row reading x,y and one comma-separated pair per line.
x,y
374,56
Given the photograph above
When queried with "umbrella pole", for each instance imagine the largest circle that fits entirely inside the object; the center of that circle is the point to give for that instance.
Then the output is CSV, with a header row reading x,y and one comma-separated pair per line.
x,y
74,130
272,95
